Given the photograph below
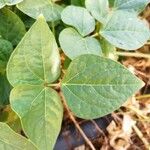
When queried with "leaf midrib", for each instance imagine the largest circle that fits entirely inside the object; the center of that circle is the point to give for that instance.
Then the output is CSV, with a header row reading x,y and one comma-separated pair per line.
x,y
99,84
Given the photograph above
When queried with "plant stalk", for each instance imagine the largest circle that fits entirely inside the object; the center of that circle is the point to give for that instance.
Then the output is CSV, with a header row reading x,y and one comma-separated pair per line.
x,y
133,54
142,96
76,123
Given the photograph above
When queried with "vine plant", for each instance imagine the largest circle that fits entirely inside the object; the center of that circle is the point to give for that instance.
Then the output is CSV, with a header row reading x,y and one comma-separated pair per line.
x,y
92,86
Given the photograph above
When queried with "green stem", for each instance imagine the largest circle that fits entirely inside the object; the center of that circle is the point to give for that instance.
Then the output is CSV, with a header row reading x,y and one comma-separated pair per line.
x,y
53,28
133,54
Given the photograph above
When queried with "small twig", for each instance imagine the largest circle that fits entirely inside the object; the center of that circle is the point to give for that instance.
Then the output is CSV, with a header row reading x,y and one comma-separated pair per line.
x,y
138,112
140,135
76,123
142,96
100,131
133,54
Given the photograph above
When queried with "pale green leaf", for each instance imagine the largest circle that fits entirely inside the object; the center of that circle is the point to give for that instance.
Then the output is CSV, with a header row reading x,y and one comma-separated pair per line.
x,y
135,5
124,30
98,8
34,64
5,89
79,18
95,86
5,50
77,44
11,27
33,8
9,140
9,2
36,59
107,48
40,110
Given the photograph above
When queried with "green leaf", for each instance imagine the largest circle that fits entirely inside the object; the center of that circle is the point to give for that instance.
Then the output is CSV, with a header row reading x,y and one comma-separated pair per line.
x,y
95,86
33,8
124,30
40,111
11,27
79,18
9,2
5,89
78,2
98,8
5,50
135,5
9,140
34,64
36,59
77,44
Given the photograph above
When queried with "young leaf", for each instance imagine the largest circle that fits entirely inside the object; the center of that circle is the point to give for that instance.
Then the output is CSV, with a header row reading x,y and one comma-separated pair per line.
x,y
124,30
77,44
135,5
35,63
9,140
107,48
36,59
40,110
80,18
5,89
9,2
5,50
34,8
11,27
95,86
98,8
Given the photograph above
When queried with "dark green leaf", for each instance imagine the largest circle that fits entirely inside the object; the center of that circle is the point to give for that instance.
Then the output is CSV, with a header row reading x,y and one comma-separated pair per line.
x,y
11,27
5,89
78,2
5,50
